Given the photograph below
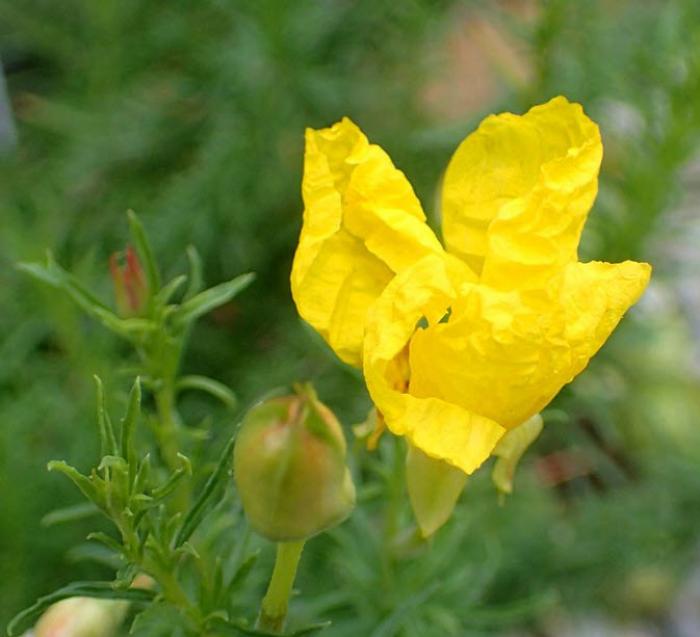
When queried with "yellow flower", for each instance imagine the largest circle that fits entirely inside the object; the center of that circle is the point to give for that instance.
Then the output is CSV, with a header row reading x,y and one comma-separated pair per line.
x,y
460,345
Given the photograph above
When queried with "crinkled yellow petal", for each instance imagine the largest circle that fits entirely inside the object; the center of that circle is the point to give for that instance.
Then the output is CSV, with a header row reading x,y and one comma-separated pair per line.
x,y
594,297
505,355
343,281
362,223
496,356
441,429
517,191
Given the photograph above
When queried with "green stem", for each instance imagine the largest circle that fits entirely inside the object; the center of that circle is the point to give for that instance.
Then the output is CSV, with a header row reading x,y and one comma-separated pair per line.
x,y
170,586
167,426
175,595
273,610
167,433
161,355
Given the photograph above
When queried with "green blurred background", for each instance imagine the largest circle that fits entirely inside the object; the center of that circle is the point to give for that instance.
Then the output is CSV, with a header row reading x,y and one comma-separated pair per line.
x,y
192,114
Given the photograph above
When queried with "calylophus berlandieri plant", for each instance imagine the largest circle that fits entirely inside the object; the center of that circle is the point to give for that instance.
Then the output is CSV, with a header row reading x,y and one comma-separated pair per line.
x,y
461,346
289,466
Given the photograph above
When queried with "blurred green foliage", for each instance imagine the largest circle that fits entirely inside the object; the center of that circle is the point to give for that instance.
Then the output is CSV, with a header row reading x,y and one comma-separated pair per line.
x,y
193,115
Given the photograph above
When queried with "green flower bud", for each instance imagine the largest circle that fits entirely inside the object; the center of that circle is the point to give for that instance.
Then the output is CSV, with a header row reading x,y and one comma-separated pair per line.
x,y
289,467
82,617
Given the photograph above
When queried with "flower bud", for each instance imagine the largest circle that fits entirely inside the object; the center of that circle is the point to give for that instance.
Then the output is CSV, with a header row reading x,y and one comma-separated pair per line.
x,y
86,616
289,468
130,289
81,617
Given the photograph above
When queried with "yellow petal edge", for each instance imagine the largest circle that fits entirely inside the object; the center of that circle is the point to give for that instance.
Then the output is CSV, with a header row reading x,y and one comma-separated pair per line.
x,y
517,192
362,224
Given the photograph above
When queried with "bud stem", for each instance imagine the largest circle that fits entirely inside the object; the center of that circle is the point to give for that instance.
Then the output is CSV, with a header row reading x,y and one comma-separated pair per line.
x,y
273,610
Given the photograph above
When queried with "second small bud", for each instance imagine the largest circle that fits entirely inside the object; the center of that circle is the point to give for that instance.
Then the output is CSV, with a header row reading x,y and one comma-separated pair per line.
x,y
130,289
290,470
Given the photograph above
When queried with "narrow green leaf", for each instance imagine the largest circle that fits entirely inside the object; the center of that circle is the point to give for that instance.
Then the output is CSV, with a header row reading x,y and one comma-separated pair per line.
x,y
172,524
160,528
210,386
140,500
70,514
98,553
145,538
113,465
159,619
128,328
187,549
108,442
210,299
390,625
106,540
54,275
166,293
143,247
133,412
125,575
116,483
217,614
241,573
217,583
213,486
41,273
157,552
196,278
85,484
143,473
170,485
310,629
100,590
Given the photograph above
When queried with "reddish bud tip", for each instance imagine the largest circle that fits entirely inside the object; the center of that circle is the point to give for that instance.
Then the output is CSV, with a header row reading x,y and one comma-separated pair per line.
x,y
130,288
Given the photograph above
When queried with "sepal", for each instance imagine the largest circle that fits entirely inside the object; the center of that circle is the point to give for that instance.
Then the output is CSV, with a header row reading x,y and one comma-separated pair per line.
x,y
433,488
510,449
